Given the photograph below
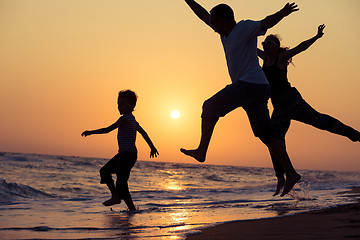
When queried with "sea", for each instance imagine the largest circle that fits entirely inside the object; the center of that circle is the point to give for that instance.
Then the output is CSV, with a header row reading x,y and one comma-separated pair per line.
x,y
60,197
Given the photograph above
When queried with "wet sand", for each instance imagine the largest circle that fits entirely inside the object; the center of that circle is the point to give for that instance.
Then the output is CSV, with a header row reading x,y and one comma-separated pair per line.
x,y
341,222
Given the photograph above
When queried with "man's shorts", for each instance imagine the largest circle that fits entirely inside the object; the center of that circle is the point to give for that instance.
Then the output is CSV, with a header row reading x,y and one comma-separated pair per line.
x,y
253,98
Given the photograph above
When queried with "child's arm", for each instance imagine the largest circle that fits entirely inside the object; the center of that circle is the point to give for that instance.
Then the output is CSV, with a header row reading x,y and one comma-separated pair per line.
x,y
303,45
272,20
201,12
153,152
108,129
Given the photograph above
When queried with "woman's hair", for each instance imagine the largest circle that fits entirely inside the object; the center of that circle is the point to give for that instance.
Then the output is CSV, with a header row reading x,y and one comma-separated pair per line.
x,y
276,39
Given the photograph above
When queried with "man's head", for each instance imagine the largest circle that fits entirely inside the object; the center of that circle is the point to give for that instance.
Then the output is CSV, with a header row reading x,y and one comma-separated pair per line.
x,y
222,19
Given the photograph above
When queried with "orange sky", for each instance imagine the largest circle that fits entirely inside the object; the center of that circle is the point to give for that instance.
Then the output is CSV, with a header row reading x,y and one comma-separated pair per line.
x,y
62,64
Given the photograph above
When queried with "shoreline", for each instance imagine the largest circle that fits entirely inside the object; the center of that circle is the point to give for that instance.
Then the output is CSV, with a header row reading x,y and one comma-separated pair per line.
x,y
339,222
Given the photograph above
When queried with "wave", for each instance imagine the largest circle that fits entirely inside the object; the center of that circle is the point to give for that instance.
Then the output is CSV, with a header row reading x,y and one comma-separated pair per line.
x,y
48,229
10,192
15,158
206,204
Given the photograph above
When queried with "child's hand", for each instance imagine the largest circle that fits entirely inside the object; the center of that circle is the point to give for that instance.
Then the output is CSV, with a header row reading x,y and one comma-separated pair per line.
x,y
86,133
153,152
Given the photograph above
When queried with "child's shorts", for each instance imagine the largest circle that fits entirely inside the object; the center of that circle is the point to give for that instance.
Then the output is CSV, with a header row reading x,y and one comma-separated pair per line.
x,y
121,164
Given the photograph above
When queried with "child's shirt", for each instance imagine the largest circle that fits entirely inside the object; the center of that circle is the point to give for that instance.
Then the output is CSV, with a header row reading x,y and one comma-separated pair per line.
x,y
127,134
240,48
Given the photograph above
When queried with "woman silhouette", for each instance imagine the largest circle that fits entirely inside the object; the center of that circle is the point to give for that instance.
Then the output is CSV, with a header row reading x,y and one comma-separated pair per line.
x,y
287,101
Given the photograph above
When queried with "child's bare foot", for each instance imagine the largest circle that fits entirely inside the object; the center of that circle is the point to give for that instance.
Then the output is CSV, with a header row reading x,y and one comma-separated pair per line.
x,y
290,183
136,208
111,201
195,154
280,185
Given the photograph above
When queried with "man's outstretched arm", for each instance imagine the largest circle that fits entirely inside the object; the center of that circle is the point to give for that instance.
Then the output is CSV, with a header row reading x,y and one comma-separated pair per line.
x,y
201,12
272,20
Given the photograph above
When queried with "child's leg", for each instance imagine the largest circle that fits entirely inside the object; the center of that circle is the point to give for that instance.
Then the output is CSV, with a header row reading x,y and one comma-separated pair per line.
x,y
127,163
123,189
114,195
106,178
130,204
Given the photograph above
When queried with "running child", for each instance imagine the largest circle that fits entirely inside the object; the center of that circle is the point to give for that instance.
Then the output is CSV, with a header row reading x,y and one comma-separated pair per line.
x,y
122,163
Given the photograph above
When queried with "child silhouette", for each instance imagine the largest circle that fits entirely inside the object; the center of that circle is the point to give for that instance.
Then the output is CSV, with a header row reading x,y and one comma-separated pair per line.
x,y
122,163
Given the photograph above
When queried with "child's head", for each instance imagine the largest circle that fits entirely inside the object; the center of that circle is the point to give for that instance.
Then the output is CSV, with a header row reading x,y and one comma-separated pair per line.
x,y
126,101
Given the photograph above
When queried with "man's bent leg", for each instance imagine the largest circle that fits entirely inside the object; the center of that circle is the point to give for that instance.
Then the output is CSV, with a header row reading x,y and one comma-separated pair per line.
x,y
223,102
207,128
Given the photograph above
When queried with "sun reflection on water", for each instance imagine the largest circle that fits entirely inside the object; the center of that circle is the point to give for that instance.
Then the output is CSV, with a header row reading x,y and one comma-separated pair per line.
x,y
173,185
170,182
180,217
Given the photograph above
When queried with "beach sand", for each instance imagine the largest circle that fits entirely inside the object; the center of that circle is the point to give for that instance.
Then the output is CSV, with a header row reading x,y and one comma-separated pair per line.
x,y
341,222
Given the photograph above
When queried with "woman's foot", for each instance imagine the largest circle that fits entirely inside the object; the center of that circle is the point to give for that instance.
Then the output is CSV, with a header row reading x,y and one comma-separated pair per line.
x,y
195,154
111,201
280,185
353,135
290,183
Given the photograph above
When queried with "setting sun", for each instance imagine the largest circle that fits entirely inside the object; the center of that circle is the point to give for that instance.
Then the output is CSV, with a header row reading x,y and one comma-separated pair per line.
x,y
175,114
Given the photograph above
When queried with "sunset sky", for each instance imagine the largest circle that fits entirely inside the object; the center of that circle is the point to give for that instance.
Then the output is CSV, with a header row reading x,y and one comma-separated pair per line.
x,y
62,64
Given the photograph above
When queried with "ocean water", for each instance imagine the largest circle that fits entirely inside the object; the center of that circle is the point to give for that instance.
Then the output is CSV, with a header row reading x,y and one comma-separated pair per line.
x,y
59,197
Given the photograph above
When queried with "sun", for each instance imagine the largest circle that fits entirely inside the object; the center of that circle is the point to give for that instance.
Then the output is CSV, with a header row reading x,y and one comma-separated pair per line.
x,y
175,114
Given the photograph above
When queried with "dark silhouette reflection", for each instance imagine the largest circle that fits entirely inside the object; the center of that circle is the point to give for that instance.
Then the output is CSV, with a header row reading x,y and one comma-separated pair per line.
x,y
123,222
